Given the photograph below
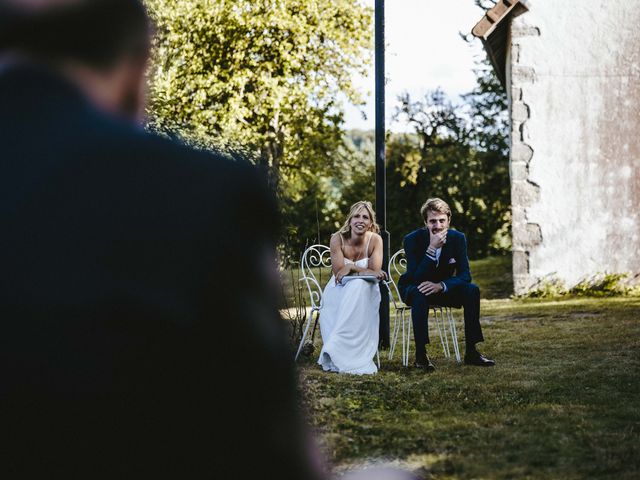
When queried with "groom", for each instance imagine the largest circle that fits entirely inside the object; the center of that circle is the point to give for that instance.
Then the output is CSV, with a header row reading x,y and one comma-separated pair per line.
x,y
438,274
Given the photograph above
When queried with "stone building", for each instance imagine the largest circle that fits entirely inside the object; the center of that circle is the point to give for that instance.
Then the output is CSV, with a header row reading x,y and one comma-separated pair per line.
x,y
571,69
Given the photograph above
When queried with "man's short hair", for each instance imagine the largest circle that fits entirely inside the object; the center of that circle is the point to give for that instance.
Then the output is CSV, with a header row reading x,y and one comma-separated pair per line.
x,y
96,33
435,205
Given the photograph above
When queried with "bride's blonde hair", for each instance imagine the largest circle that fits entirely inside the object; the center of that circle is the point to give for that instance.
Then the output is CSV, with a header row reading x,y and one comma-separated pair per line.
x,y
346,227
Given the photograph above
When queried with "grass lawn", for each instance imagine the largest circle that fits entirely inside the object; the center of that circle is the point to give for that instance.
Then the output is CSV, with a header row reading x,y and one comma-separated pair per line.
x,y
562,401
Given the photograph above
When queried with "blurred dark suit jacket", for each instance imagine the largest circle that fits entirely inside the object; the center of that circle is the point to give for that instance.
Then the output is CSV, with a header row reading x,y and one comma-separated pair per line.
x,y
139,333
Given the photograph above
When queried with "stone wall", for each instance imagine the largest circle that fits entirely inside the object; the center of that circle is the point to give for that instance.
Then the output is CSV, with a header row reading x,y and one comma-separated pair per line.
x,y
574,85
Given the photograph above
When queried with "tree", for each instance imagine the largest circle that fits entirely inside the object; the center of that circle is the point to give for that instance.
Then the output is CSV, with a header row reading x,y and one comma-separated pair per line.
x,y
262,76
489,137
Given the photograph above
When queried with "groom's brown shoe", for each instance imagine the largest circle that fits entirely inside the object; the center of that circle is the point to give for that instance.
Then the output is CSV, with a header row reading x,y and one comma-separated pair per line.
x,y
424,363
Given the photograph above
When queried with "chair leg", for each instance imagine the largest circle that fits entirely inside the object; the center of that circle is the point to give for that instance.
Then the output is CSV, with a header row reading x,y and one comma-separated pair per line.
x,y
437,322
442,331
391,346
378,358
304,334
409,326
394,338
406,338
454,334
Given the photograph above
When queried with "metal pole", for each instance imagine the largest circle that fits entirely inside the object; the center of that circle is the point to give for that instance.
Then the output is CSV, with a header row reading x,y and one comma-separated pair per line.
x,y
381,178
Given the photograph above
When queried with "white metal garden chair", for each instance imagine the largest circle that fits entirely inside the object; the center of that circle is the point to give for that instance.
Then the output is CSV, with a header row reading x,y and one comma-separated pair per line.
x,y
402,315
313,260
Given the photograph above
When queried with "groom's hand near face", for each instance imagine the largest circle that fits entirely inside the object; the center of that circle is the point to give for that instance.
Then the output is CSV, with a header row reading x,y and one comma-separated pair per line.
x,y
438,239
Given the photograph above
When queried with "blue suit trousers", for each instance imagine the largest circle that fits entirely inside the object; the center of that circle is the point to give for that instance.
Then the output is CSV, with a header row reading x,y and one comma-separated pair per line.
x,y
466,296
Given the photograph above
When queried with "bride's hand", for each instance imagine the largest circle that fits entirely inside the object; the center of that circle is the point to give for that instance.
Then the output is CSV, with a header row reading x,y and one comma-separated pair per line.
x,y
381,275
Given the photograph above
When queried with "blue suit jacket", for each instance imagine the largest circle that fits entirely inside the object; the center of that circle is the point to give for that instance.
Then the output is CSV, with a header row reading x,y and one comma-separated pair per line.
x,y
452,268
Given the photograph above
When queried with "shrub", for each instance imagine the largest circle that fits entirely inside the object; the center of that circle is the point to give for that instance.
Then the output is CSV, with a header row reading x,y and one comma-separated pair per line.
x,y
598,285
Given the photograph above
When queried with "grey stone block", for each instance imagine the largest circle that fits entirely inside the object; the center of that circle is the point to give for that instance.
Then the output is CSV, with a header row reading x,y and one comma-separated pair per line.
x,y
533,235
521,152
519,112
518,216
519,171
523,75
520,263
524,193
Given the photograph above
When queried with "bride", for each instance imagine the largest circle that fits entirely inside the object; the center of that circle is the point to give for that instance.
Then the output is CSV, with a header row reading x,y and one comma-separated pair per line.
x,y
349,318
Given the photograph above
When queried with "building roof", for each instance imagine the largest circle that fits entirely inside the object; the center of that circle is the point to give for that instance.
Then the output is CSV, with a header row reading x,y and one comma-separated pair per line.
x,y
493,30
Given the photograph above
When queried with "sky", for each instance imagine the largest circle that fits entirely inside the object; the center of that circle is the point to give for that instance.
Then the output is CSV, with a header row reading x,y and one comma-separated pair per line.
x,y
423,51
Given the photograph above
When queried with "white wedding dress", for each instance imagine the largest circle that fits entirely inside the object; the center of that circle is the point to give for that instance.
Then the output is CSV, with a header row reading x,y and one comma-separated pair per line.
x,y
349,325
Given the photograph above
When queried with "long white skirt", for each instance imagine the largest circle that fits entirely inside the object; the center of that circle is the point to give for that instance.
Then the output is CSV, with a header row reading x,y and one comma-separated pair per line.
x,y
349,325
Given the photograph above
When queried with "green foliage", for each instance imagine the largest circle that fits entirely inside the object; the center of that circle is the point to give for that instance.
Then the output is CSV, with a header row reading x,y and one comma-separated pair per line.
x,y
309,215
599,285
603,285
547,288
294,304
262,77
456,152
317,212
494,276
358,182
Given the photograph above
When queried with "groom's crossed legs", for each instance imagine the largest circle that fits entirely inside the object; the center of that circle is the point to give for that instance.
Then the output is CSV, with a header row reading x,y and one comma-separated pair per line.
x,y
466,296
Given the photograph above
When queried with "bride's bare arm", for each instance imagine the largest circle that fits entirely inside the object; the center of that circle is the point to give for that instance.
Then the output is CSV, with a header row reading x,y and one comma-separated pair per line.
x,y
338,265
375,260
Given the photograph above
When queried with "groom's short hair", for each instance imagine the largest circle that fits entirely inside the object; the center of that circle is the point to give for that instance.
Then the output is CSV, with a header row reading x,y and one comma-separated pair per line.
x,y
435,205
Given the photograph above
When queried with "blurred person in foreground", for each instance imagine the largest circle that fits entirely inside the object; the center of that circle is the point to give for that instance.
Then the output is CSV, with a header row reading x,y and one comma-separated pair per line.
x,y
139,331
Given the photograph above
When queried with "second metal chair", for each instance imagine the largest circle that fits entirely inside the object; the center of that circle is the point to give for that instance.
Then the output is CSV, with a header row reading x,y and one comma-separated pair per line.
x,y
443,316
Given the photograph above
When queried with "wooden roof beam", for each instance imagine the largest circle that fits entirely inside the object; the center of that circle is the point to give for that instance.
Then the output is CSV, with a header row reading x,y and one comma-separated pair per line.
x,y
501,10
492,29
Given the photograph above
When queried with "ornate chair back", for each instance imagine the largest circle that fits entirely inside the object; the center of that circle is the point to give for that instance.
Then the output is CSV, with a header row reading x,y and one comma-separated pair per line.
x,y
397,266
314,259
